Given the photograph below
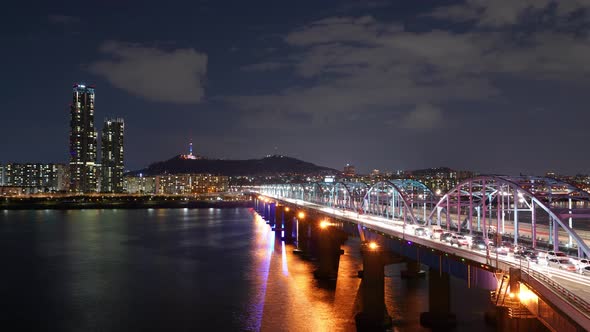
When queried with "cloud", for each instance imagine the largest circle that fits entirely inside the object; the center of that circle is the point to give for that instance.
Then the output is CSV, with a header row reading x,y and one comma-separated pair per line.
x,y
175,76
499,13
424,116
264,66
345,67
63,19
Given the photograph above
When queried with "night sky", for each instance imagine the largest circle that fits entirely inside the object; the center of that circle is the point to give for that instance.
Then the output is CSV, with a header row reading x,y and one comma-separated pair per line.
x,y
491,86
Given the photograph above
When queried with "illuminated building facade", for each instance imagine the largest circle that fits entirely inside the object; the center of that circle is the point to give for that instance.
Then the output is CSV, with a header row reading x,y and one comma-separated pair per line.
x,y
184,184
112,160
179,184
349,171
140,184
83,149
1,175
36,177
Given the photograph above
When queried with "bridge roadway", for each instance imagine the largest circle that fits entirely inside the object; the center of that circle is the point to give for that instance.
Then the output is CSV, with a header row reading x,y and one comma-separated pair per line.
x,y
568,291
524,227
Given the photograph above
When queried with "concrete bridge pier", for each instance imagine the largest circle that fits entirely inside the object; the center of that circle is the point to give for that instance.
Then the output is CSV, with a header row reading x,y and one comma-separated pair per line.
x,y
439,302
512,316
288,223
413,270
303,237
328,243
272,207
373,315
279,216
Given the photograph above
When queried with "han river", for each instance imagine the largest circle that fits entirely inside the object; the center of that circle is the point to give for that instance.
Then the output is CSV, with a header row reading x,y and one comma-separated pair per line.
x,y
187,270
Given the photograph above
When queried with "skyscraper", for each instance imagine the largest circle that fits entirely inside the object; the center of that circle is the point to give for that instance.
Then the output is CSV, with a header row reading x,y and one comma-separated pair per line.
x,y
83,166
112,156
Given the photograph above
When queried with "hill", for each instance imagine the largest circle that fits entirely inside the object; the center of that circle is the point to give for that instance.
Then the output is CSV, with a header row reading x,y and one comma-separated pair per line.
x,y
271,165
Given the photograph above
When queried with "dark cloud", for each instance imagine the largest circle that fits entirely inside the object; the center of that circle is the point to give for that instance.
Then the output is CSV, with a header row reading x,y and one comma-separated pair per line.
x,y
264,66
175,76
63,19
424,116
500,13
358,64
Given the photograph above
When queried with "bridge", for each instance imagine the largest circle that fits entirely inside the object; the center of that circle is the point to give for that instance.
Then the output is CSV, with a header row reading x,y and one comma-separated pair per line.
x,y
535,212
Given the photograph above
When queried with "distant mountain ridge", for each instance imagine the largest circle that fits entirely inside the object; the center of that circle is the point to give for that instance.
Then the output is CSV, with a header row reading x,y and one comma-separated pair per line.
x,y
270,165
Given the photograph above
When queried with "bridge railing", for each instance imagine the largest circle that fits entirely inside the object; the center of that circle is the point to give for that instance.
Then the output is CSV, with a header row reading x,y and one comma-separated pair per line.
x,y
580,303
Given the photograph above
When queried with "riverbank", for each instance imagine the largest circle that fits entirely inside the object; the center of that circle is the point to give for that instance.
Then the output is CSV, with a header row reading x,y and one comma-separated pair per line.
x,y
122,202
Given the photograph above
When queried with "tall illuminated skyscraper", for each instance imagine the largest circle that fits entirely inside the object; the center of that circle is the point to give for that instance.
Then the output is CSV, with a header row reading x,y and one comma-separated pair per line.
x,y
112,156
83,165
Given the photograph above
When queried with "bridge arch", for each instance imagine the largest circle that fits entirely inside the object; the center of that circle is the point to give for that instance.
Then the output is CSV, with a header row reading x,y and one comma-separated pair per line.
x,y
348,195
531,211
317,192
398,199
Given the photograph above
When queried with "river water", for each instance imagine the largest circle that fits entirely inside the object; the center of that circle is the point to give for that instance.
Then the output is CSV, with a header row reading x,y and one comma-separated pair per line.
x,y
186,270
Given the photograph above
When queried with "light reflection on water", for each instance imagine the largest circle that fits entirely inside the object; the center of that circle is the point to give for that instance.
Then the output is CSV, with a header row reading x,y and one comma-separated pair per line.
x,y
180,270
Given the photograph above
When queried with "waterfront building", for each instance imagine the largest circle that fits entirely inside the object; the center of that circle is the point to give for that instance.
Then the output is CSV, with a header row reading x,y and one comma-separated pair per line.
x,y
1,175
140,184
185,184
83,141
112,161
35,177
63,178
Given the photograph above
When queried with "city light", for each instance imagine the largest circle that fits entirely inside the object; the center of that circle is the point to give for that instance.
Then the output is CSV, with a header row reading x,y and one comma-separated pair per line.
x,y
373,246
286,209
301,215
324,224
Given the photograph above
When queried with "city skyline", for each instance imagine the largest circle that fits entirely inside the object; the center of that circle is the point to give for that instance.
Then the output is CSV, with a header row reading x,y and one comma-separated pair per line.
x,y
374,84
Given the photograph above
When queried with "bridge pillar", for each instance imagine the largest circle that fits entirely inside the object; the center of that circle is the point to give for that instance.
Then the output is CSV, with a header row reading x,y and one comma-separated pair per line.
x,y
271,214
511,315
279,215
329,242
288,223
303,239
439,302
267,212
373,316
413,270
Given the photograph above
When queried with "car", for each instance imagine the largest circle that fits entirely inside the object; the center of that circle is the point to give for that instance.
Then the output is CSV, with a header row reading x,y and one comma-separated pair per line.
x,y
527,254
436,233
502,249
446,237
561,263
509,246
585,271
459,240
420,231
478,243
555,254
580,263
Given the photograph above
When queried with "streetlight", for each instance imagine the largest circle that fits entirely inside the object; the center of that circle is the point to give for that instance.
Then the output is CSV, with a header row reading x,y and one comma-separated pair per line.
x,y
324,224
373,246
301,215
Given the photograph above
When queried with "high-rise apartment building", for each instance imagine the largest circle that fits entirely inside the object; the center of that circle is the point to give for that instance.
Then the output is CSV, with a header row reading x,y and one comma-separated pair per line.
x,y
35,177
112,156
83,165
1,175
